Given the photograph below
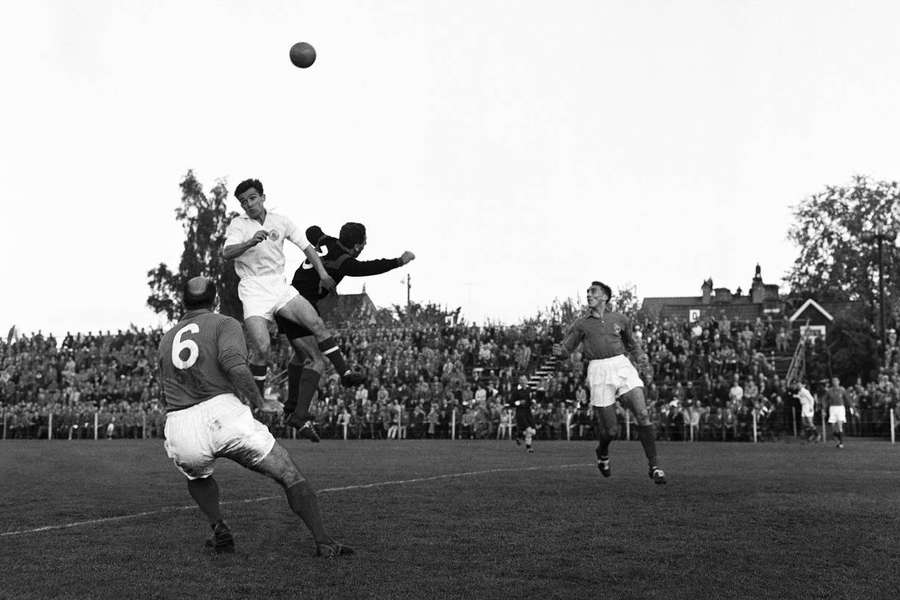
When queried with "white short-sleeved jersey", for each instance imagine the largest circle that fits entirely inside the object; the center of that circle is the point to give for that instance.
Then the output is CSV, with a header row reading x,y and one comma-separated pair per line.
x,y
807,403
267,257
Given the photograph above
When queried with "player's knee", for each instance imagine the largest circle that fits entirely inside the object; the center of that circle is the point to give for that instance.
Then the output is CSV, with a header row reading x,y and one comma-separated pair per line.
x,y
610,433
643,418
300,489
316,363
259,347
291,477
317,326
285,472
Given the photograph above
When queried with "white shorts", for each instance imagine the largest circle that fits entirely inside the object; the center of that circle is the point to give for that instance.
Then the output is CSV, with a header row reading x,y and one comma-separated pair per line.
x,y
837,414
219,427
265,296
609,378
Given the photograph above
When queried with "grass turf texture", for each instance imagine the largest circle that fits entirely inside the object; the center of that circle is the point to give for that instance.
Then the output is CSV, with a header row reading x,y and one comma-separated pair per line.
x,y
776,520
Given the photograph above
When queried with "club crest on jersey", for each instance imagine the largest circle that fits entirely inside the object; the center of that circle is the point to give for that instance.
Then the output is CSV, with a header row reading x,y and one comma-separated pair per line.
x,y
273,235
617,328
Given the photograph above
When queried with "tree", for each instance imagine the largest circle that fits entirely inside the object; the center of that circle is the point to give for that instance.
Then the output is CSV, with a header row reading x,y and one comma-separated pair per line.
x,y
853,350
562,314
204,218
429,314
834,263
625,301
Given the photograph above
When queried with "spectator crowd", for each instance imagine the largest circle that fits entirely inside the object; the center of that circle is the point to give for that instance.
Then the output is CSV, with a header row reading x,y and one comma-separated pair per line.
x,y
435,377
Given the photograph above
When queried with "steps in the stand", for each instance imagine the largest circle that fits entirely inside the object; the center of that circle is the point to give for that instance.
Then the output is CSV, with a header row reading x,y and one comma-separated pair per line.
x,y
548,367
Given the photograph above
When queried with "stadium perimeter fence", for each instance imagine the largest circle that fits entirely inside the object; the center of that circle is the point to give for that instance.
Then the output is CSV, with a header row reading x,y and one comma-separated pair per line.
x,y
694,428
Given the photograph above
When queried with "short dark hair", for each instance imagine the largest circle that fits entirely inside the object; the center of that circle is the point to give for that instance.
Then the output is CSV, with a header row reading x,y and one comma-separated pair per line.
x,y
246,185
352,234
606,289
199,292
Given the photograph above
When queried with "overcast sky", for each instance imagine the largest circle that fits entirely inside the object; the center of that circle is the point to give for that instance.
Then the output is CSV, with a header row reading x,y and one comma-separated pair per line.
x,y
520,149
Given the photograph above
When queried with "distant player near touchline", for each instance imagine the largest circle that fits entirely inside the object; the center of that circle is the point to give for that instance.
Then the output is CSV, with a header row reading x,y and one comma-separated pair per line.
x,y
807,411
255,241
307,364
606,337
521,400
837,396
203,372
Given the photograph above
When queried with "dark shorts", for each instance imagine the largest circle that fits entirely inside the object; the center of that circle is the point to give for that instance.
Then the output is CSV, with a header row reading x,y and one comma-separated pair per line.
x,y
294,330
290,329
606,416
524,420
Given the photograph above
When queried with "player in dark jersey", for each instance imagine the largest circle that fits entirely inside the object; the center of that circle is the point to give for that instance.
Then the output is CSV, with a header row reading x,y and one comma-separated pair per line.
x,y
522,400
204,373
606,338
308,364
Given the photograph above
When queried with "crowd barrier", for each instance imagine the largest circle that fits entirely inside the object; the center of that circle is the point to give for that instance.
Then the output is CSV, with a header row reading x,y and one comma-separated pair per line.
x,y
96,425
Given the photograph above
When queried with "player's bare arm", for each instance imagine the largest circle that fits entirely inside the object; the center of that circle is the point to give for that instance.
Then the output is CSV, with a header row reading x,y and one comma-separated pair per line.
x,y
636,349
235,250
312,256
244,385
570,342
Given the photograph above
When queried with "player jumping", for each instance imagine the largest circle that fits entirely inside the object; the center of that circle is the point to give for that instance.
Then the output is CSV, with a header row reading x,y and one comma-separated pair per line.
x,y
606,336
307,364
203,370
256,243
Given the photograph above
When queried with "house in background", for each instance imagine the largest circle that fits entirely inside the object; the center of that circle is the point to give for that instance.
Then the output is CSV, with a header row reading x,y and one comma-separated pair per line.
x,y
763,301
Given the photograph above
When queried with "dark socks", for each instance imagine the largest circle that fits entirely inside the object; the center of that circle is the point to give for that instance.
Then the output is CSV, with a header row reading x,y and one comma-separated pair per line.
x,y
308,384
332,351
259,376
647,435
293,381
302,500
205,493
840,436
602,450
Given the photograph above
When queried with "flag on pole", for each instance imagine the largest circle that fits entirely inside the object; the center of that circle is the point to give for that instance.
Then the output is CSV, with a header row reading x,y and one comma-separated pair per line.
x,y
12,335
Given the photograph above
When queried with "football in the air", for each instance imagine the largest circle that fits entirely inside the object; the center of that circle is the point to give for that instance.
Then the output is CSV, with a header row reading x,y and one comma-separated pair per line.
x,y
303,55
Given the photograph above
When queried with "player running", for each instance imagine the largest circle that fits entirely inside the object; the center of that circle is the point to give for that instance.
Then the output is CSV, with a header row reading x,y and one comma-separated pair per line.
x,y
522,400
837,397
307,365
255,241
606,336
203,370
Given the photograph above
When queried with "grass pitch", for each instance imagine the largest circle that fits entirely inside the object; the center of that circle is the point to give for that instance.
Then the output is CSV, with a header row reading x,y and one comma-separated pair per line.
x,y
463,519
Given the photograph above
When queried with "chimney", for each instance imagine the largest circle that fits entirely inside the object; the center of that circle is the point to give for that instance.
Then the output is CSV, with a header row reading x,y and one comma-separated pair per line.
x,y
707,289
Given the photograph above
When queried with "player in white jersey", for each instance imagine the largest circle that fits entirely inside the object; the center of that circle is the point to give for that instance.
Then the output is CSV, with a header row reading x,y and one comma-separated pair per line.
x,y
807,411
255,241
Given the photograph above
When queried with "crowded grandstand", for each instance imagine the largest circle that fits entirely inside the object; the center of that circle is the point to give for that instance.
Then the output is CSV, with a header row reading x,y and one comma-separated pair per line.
x,y
432,375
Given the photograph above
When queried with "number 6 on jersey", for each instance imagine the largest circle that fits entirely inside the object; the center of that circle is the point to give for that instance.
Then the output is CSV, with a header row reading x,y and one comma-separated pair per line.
x,y
179,345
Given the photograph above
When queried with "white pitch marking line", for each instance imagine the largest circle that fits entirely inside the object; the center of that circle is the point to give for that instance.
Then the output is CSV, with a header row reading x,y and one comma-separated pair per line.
x,y
361,486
